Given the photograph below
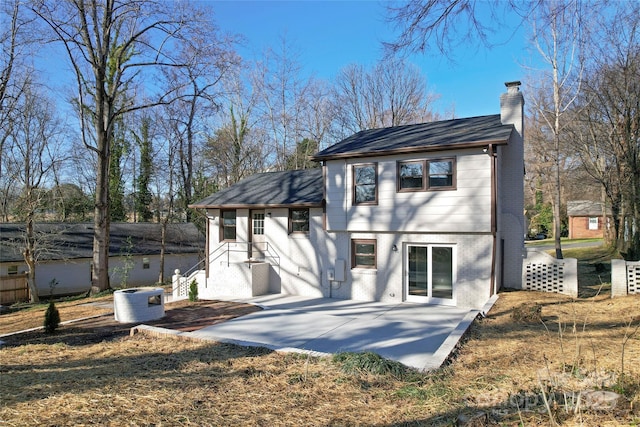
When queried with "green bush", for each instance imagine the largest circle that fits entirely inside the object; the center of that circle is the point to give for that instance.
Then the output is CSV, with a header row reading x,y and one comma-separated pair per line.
x,y
51,318
369,362
193,291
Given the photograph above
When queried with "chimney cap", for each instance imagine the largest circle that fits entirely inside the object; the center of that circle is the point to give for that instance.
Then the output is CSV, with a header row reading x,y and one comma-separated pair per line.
x,y
513,87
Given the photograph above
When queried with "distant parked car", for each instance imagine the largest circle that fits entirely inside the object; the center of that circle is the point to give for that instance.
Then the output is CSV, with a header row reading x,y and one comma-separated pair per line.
x,y
540,236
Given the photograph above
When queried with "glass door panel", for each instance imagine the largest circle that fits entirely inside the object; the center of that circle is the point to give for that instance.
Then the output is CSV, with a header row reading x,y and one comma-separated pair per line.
x,y
418,271
429,274
442,272
257,240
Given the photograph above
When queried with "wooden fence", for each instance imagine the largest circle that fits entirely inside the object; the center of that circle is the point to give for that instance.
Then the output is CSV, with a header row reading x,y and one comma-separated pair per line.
x,y
13,289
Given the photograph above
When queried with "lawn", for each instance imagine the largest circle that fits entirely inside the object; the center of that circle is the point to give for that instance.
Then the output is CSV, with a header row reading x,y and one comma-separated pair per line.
x,y
530,347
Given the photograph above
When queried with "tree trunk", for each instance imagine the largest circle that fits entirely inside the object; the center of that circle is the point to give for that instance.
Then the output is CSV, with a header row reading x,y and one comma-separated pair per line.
x,y
100,267
29,258
163,243
557,220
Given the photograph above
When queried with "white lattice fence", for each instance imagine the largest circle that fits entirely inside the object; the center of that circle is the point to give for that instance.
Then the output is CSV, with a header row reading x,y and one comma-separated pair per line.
x,y
633,278
542,272
625,277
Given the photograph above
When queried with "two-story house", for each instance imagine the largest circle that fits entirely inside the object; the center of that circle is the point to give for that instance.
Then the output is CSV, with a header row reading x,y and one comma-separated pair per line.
x,y
426,213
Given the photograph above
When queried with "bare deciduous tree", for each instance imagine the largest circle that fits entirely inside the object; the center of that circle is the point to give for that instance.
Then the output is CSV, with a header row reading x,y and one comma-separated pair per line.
x,y
33,150
111,45
393,93
16,39
446,24
281,99
607,132
558,35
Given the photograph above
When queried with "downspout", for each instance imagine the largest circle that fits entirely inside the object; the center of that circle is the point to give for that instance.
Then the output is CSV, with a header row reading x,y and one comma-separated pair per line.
x,y
346,196
324,196
494,219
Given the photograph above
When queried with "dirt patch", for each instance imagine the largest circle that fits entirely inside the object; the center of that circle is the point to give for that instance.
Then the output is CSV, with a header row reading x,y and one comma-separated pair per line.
x,y
182,315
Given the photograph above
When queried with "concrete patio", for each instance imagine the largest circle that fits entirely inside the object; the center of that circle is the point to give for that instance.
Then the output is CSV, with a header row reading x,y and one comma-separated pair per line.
x,y
418,336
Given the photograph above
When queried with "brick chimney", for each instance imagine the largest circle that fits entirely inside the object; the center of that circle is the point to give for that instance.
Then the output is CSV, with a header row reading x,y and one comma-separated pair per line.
x,y
511,223
512,107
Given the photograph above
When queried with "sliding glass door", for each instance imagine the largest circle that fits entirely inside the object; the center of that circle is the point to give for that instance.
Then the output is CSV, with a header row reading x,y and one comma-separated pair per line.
x,y
430,273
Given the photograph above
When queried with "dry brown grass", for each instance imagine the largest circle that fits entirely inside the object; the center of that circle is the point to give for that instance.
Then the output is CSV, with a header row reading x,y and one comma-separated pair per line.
x,y
143,380
33,317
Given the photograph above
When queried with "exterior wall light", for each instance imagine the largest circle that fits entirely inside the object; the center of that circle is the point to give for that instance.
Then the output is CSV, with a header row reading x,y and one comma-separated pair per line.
x,y
394,248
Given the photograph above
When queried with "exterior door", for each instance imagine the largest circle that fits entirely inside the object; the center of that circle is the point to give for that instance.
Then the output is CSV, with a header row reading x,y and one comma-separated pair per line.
x,y
257,241
430,274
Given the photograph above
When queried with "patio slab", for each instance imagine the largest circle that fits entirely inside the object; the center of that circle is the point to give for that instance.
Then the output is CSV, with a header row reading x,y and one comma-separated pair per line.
x,y
418,336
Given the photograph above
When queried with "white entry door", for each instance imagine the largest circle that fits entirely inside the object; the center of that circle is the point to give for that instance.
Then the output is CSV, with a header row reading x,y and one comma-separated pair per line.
x,y
430,274
258,242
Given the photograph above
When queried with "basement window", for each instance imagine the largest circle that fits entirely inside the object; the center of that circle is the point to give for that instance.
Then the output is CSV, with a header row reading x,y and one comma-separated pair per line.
x,y
363,253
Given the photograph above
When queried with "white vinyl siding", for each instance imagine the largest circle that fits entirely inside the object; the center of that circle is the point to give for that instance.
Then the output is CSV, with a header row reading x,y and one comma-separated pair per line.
x,y
465,209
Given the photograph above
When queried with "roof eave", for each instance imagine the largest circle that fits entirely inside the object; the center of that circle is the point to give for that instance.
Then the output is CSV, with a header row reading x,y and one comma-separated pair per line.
x,y
410,150
258,206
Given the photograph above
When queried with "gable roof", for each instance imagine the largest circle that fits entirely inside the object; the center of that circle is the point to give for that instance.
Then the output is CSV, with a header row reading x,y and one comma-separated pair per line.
x,y
270,189
75,240
585,208
433,136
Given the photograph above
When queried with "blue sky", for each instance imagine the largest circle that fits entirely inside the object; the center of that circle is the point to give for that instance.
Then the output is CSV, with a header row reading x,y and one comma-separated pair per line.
x,y
332,34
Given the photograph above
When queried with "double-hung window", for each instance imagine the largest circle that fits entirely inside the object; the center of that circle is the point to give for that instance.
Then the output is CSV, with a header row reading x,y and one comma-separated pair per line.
x,y
441,174
426,175
228,225
298,220
365,184
411,176
363,253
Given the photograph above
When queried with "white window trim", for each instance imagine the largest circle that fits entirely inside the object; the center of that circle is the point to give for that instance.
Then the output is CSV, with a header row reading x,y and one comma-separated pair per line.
x,y
454,275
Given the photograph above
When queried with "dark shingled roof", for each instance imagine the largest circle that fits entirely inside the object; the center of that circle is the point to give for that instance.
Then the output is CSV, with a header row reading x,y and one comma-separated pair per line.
x,y
270,189
71,241
442,135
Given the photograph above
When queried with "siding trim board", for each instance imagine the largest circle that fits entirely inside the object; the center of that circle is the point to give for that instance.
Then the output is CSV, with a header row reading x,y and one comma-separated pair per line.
x,y
412,150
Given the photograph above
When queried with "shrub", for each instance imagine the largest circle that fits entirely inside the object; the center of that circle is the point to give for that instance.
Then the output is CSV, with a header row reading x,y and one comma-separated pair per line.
x,y
369,362
193,291
51,318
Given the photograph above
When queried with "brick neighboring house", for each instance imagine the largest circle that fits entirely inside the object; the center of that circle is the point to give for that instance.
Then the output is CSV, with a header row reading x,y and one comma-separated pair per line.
x,y
428,213
586,220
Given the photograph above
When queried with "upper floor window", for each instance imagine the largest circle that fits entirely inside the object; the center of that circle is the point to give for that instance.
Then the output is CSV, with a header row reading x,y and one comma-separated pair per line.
x,y
424,175
441,174
228,225
365,184
12,269
410,176
298,220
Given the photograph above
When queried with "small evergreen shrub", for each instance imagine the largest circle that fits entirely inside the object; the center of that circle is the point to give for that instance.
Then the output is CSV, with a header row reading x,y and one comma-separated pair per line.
x,y
193,291
51,318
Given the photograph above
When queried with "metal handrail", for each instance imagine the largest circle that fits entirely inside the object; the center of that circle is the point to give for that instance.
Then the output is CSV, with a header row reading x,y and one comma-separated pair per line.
x,y
226,248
